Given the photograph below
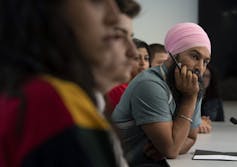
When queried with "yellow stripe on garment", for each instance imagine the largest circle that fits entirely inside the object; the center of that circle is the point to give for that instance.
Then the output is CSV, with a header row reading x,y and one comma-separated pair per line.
x,y
80,106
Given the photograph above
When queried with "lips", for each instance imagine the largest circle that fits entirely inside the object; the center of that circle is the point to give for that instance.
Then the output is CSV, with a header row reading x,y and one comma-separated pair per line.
x,y
141,69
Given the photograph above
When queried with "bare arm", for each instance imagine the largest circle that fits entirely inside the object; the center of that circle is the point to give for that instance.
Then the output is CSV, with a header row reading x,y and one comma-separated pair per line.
x,y
189,142
169,137
174,137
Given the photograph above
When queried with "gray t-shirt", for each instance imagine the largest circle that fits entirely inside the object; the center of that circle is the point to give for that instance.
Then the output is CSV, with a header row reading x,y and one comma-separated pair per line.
x,y
147,99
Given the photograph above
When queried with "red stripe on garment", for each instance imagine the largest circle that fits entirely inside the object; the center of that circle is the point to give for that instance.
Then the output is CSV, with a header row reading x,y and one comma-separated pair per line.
x,y
45,117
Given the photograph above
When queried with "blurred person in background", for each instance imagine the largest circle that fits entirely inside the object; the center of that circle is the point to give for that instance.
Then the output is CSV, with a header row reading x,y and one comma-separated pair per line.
x,y
212,105
158,54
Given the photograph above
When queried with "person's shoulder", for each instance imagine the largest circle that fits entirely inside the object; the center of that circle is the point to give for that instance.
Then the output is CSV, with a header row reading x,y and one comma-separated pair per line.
x,y
42,95
151,74
38,87
44,100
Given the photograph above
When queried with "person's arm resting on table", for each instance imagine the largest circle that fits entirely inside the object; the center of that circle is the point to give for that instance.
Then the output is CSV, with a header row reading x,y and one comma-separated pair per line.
x,y
175,137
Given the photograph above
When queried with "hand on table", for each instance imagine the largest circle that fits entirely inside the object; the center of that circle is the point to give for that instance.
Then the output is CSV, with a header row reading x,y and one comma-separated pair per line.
x,y
205,126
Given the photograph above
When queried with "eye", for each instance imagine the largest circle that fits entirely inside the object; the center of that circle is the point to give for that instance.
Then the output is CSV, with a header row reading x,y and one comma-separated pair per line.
x,y
120,35
146,58
195,56
206,62
136,58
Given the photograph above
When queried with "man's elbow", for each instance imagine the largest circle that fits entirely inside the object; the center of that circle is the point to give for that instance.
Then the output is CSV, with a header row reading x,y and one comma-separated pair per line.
x,y
172,153
172,156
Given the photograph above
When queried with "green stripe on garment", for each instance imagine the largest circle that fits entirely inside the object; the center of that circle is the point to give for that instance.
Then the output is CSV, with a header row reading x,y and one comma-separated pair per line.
x,y
74,147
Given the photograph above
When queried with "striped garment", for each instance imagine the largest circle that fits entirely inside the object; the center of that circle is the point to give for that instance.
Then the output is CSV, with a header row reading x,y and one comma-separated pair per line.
x,y
58,127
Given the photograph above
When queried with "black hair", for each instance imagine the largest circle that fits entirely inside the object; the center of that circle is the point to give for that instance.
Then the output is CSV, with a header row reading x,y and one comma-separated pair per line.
x,y
142,44
129,7
212,90
35,39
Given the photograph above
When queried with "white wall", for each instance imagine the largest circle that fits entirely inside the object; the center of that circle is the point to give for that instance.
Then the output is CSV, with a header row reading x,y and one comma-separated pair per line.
x,y
157,16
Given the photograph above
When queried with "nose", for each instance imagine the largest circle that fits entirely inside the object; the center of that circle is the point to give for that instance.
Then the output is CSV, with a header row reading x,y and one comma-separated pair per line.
x,y
112,13
141,60
200,68
132,51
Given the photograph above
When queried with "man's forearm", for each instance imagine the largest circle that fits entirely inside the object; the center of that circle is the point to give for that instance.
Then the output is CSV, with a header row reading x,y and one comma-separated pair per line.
x,y
181,126
190,140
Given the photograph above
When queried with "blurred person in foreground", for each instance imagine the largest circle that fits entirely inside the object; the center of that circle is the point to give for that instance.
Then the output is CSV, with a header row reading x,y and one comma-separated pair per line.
x,y
120,62
142,63
161,106
49,62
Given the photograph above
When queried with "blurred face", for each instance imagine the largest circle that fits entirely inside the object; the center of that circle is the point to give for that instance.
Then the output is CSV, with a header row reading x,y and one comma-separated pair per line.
x,y
159,59
122,58
196,59
206,78
93,23
118,66
142,60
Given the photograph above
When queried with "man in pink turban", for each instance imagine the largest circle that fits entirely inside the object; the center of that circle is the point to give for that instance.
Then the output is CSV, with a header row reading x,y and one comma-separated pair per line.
x,y
161,106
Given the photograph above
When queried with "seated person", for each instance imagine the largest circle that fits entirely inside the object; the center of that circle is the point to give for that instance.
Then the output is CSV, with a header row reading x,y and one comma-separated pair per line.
x,y
158,54
141,64
49,74
212,106
162,105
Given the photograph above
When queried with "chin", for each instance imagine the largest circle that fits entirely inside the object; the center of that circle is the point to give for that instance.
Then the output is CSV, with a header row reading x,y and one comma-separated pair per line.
x,y
123,78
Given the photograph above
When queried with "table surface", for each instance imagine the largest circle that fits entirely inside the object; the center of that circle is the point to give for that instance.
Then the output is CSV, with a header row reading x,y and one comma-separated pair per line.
x,y
222,138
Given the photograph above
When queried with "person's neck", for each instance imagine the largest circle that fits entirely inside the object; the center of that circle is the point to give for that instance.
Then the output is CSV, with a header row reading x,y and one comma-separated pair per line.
x,y
103,83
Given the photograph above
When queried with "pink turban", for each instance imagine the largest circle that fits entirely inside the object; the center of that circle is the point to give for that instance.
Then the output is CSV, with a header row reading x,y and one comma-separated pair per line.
x,y
184,36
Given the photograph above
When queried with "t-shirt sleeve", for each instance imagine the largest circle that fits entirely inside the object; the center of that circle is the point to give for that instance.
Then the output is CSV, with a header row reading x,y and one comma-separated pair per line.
x,y
197,115
149,103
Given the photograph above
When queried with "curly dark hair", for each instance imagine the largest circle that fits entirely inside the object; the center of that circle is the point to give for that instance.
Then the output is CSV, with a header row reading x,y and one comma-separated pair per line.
x,y
142,44
35,39
212,91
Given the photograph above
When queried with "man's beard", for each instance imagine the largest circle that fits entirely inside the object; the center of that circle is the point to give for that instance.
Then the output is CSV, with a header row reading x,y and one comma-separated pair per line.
x,y
177,95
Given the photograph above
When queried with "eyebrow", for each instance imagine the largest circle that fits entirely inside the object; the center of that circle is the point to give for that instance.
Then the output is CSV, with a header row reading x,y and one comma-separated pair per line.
x,y
197,52
123,31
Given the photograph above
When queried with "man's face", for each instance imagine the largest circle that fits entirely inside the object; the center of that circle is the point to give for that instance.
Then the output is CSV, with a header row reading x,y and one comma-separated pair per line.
x,y
93,23
196,59
121,59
